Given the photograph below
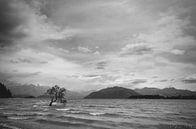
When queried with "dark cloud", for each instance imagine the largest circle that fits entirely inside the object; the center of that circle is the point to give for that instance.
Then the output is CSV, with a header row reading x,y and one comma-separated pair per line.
x,y
21,60
187,58
92,75
163,80
101,65
43,62
27,61
189,80
10,19
139,81
155,77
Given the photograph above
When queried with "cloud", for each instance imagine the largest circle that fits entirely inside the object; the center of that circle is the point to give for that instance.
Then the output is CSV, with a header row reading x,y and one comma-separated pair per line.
x,y
101,65
97,53
186,58
97,43
92,75
138,81
136,49
21,60
84,49
11,20
163,80
190,79
178,52
24,24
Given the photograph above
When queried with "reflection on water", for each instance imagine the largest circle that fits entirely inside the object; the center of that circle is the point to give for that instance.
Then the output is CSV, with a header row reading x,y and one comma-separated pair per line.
x,y
136,114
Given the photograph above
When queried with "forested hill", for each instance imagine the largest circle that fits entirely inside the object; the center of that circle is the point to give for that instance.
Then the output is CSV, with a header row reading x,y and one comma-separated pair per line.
x,y
112,93
4,92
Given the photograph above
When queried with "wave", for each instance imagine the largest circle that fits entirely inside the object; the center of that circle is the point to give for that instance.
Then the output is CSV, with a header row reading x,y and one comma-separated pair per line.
x,y
176,126
45,106
19,118
25,115
35,106
69,124
63,109
71,111
45,109
102,106
77,122
104,114
8,126
96,113
75,111
89,121
95,106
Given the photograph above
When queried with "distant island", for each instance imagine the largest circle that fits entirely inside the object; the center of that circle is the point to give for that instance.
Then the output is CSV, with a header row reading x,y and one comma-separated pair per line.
x,y
144,93
4,92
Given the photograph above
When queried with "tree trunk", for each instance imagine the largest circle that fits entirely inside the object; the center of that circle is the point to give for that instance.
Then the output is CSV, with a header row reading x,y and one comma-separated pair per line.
x,y
51,103
52,100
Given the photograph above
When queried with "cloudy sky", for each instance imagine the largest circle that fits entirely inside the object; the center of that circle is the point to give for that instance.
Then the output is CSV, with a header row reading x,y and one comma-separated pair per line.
x,y
92,44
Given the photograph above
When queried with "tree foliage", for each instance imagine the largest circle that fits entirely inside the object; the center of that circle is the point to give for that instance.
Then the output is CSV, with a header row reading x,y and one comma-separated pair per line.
x,y
4,92
57,94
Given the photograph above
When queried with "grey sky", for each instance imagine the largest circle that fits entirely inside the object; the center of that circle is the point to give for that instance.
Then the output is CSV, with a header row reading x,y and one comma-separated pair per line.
x,y
91,44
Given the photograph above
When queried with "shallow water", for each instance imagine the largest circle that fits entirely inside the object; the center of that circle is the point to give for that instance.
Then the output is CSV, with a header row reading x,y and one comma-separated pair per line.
x,y
106,114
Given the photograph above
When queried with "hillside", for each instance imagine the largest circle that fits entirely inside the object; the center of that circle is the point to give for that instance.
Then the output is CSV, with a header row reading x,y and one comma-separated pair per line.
x,y
4,92
112,93
167,92
28,90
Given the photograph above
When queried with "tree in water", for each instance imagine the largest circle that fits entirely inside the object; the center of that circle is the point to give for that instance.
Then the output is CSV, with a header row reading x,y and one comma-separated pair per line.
x,y
57,94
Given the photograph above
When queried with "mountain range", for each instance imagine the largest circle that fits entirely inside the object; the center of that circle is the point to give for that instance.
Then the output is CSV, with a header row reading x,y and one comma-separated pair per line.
x,y
121,93
25,90
30,90
167,92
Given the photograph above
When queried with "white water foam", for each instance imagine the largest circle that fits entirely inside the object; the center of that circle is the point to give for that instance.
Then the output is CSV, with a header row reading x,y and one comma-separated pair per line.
x,y
35,106
96,113
62,109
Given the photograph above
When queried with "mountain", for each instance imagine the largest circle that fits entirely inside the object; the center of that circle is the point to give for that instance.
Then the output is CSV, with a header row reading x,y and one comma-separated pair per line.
x,y
25,90
4,92
30,90
112,93
167,92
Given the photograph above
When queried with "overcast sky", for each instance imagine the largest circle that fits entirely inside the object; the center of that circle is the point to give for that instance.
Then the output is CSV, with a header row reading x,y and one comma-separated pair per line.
x,y
92,44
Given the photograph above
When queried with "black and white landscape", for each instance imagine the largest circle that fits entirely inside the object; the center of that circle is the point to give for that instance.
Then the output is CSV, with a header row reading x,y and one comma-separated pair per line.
x,y
97,64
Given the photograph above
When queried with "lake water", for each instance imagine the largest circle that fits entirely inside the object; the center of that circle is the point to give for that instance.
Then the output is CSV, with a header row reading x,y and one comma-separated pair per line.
x,y
98,114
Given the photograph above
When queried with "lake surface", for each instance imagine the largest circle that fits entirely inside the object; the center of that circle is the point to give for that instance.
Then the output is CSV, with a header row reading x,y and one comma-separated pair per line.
x,y
98,114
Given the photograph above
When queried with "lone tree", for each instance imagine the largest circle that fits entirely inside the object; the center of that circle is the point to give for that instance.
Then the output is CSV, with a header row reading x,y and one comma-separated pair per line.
x,y
57,94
